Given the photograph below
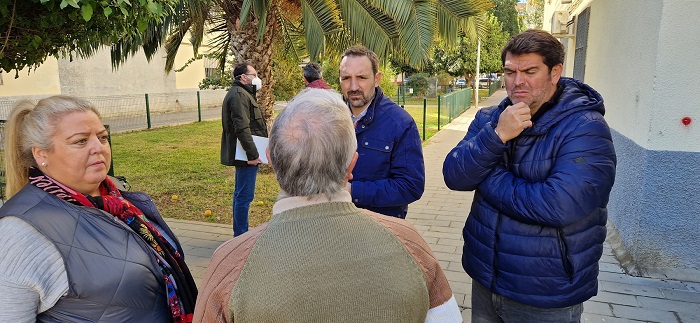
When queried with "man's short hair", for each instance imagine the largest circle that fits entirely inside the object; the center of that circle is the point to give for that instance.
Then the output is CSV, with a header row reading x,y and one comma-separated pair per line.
x,y
359,50
312,72
538,42
240,69
312,142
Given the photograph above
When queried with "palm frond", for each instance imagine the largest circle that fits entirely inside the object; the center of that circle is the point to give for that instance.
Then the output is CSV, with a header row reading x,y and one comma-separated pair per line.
x,y
398,10
476,27
192,16
220,44
292,38
172,45
456,17
465,8
320,17
362,26
259,9
418,33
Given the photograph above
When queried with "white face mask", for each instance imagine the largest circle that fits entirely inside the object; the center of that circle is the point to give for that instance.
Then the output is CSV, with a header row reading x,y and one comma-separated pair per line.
x,y
257,82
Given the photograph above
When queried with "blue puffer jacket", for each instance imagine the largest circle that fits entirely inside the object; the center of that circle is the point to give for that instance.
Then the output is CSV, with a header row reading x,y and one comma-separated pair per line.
x,y
536,228
389,173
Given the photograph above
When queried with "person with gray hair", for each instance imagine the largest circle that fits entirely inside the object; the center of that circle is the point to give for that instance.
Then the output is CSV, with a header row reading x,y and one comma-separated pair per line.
x,y
73,247
320,258
313,77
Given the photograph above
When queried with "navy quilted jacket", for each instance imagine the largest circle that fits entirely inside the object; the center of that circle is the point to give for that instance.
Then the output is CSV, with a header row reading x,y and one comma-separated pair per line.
x,y
536,228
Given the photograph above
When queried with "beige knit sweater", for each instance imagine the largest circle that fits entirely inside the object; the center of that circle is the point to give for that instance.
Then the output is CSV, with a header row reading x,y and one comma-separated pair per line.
x,y
325,261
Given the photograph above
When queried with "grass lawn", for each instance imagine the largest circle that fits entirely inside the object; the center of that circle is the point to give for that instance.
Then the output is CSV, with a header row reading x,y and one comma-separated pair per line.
x,y
179,167
183,161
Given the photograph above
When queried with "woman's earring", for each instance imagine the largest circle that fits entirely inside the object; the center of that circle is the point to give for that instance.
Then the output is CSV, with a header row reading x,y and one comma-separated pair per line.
x,y
43,164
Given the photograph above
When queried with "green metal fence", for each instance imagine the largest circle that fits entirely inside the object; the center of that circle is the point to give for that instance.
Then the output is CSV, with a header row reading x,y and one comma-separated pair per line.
x,y
131,112
452,105
431,114
401,95
494,86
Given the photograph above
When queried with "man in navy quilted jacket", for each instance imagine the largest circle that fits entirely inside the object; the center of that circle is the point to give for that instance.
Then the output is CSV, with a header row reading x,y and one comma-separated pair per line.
x,y
542,164
390,172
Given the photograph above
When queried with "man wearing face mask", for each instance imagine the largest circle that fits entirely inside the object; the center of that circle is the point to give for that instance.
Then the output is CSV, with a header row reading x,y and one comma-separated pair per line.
x,y
242,118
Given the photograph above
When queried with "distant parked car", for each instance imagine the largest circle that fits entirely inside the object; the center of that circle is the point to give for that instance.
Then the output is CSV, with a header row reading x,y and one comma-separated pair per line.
x,y
461,83
483,83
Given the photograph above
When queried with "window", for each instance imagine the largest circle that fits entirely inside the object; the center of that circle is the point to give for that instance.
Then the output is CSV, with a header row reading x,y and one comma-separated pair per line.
x,y
581,44
211,67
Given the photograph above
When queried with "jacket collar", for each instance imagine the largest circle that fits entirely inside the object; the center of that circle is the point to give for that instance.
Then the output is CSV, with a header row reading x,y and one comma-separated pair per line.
x,y
250,88
549,104
319,84
575,96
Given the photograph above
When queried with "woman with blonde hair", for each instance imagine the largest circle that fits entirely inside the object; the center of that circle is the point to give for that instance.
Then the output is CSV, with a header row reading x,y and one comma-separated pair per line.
x,y
74,248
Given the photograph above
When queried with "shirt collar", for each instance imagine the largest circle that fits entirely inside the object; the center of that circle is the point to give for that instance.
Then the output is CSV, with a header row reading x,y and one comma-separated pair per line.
x,y
377,94
359,117
285,203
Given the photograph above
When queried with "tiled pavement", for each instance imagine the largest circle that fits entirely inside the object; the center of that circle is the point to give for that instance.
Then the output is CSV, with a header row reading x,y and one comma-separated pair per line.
x,y
440,216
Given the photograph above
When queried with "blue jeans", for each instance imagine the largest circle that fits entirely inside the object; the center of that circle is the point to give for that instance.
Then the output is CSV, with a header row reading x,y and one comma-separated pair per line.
x,y
243,194
490,307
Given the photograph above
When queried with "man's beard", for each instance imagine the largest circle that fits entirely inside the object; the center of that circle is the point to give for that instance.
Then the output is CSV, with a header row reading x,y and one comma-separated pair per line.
x,y
357,102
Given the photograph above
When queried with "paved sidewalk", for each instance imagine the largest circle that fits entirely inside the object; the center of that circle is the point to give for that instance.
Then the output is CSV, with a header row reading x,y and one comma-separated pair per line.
x,y
440,215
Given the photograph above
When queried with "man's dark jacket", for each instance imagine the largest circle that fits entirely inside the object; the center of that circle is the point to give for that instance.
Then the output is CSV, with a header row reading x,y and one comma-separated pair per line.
x,y
241,118
389,173
536,228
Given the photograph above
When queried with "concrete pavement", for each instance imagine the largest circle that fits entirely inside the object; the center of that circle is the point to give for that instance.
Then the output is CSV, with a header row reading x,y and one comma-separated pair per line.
x,y
440,215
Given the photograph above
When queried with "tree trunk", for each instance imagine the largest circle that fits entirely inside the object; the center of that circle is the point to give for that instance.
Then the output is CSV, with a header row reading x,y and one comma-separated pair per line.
x,y
246,49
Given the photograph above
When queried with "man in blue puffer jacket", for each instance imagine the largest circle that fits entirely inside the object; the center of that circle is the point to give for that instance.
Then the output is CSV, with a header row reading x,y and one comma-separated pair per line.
x,y
389,173
542,163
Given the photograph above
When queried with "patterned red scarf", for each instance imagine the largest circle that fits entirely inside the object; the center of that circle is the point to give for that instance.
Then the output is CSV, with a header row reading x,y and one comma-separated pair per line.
x,y
181,289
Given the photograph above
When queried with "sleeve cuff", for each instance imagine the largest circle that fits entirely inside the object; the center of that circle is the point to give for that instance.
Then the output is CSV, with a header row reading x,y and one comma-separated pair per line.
x,y
447,312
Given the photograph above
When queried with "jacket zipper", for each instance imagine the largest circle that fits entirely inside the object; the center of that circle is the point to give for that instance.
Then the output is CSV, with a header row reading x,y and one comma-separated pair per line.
x,y
510,154
565,258
509,165
495,252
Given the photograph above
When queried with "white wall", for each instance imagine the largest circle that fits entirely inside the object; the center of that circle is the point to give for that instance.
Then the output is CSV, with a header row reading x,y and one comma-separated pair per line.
x,y
677,82
643,57
621,62
94,76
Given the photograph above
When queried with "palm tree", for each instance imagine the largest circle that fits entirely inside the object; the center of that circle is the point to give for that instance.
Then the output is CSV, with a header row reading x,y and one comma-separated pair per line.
x,y
247,28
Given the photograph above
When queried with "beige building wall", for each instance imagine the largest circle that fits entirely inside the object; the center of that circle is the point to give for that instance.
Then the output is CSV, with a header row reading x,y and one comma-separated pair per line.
x,y
40,81
189,77
95,76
